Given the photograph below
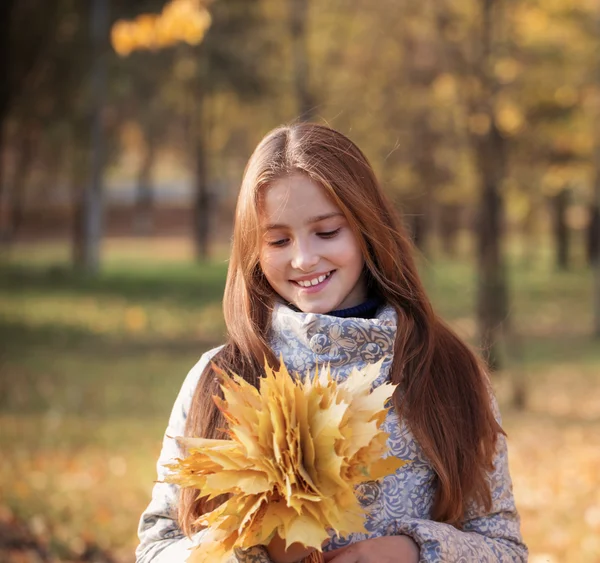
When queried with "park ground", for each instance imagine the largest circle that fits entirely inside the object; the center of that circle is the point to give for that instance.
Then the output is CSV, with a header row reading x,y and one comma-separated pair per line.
x,y
89,369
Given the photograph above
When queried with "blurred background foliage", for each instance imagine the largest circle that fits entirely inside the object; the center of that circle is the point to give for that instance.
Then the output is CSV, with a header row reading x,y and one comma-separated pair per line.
x,y
124,130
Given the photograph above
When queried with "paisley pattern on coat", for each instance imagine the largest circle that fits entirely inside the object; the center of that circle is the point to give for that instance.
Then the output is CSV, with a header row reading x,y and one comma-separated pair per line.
x,y
398,504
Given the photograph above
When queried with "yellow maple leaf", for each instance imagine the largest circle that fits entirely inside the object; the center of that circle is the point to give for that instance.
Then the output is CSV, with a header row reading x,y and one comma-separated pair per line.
x,y
298,448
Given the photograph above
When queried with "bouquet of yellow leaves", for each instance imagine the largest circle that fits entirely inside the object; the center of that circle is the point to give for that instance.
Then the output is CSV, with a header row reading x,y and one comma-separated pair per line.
x,y
297,450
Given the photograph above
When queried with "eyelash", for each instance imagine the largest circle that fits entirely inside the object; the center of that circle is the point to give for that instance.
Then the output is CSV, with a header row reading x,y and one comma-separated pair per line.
x,y
326,235
329,234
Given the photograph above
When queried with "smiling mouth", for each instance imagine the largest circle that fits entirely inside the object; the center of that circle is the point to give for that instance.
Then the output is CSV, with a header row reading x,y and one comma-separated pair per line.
x,y
315,281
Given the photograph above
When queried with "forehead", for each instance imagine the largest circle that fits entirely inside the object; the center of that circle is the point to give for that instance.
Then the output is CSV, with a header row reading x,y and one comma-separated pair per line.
x,y
292,199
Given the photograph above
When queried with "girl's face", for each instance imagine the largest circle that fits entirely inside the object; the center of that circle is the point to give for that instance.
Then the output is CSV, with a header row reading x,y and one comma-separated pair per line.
x,y
308,253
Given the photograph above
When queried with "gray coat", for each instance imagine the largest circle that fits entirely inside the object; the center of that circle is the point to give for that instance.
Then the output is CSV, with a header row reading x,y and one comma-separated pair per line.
x,y
398,504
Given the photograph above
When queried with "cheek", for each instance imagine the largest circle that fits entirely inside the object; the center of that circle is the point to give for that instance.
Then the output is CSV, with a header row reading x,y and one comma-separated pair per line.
x,y
270,263
348,254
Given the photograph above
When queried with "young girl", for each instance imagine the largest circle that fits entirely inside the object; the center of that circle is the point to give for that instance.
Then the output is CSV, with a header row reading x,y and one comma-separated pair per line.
x,y
321,271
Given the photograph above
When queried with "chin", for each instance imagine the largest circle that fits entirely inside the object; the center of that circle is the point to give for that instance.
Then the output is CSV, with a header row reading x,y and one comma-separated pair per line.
x,y
316,310
319,309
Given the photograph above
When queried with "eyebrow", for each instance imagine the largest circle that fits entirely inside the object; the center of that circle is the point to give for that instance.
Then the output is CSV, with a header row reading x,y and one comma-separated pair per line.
x,y
309,221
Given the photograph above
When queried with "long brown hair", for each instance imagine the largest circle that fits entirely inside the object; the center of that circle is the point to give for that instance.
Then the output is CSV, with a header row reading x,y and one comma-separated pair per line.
x,y
443,389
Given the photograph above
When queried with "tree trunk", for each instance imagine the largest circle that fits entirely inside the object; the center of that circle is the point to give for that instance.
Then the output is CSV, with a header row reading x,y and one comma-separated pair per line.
x,y
202,203
78,159
492,303
449,228
4,234
202,200
560,206
22,169
596,197
92,201
144,193
419,228
300,58
593,234
425,168
490,149
6,8
78,230
530,232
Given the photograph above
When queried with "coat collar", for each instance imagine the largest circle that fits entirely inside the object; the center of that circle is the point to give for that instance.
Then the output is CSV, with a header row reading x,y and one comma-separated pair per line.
x,y
307,339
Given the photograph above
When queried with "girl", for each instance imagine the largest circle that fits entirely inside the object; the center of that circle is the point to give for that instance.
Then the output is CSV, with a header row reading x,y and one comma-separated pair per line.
x,y
322,271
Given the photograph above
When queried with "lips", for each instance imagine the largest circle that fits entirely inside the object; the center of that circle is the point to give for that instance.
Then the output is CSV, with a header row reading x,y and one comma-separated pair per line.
x,y
313,284
316,280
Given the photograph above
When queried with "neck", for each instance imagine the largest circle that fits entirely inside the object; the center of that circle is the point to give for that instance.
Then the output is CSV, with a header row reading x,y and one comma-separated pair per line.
x,y
365,310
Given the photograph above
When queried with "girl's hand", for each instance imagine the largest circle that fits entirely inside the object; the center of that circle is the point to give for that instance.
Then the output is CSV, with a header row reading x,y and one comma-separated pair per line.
x,y
278,553
386,549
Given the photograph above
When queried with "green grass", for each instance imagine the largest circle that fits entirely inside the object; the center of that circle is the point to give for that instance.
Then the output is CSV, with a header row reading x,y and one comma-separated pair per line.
x,y
89,369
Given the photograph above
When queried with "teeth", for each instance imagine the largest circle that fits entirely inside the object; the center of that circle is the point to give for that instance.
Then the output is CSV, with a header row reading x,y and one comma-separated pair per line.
x,y
315,281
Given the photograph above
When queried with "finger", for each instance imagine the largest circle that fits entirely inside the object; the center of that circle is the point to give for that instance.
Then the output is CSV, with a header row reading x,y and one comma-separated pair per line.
x,y
331,555
350,556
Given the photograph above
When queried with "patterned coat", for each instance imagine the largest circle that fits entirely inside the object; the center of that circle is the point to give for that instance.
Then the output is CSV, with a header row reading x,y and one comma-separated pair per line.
x,y
398,504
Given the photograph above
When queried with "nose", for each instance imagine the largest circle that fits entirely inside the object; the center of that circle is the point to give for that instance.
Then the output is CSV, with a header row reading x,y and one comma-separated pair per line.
x,y
304,257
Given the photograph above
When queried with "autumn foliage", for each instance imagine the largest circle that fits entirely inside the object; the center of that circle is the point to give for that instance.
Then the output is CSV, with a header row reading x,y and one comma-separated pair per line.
x,y
297,450
180,20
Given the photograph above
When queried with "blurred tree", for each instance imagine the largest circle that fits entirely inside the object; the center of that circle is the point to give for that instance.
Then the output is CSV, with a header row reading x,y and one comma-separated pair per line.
x,y
560,206
422,67
20,56
593,233
6,9
402,78
92,201
147,79
229,60
179,21
490,153
25,148
559,41
545,80
298,23
147,82
475,41
53,113
145,179
225,60
596,192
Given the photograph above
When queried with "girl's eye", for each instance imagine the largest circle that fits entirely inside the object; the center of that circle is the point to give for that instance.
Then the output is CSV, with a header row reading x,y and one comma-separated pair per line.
x,y
280,242
329,234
